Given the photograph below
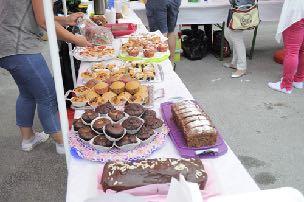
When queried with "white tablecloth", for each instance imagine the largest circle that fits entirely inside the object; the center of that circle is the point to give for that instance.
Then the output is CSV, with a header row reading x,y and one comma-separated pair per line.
x,y
231,175
213,11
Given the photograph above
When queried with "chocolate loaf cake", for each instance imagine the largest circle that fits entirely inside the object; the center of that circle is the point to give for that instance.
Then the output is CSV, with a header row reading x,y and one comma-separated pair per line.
x,y
195,124
119,176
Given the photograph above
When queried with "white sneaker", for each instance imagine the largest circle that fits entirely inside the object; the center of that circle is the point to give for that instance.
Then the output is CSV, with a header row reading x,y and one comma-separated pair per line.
x,y
298,85
28,145
60,148
229,65
277,86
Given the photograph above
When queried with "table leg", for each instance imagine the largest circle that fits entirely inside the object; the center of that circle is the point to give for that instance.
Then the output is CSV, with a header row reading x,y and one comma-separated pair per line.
x,y
222,41
253,43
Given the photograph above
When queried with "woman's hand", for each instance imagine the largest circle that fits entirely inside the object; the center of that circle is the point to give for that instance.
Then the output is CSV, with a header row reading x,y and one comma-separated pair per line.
x,y
81,41
71,20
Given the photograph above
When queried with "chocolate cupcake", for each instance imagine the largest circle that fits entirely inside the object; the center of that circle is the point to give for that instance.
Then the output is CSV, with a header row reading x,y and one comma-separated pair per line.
x,y
102,141
114,132
77,123
145,133
153,123
148,113
126,140
89,116
86,133
99,124
116,115
104,108
132,124
134,109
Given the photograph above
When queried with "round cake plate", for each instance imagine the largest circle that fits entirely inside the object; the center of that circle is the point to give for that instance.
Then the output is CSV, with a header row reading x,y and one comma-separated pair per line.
x,y
81,150
159,58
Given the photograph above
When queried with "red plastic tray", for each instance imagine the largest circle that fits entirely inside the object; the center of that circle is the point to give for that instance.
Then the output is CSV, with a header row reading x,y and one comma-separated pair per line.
x,y
122,29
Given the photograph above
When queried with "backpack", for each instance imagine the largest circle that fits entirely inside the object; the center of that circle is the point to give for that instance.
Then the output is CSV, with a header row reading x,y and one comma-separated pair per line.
x,y
194,44
216,46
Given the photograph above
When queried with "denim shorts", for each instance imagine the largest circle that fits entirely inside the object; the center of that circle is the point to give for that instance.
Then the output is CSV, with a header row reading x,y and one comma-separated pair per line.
x,y
162,14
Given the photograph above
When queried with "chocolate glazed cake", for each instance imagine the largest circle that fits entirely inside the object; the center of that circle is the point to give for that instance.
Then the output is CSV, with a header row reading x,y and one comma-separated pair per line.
x,y
119,176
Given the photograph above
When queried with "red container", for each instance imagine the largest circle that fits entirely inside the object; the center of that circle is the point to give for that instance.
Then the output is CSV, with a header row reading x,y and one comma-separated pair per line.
x,y
122,29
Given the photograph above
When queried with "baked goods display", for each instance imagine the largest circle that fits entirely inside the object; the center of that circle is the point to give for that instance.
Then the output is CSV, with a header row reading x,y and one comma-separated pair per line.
x,y
94,53
120,176
116,91
108,127
195,124
141,71
147,47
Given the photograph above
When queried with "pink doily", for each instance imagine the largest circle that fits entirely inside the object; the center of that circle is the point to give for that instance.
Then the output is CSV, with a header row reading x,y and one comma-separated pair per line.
x,y
84,150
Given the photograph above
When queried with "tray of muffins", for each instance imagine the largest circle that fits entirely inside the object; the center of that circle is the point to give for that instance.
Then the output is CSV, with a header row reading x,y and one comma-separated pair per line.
x,y
141,71
116,90
107,131
151,47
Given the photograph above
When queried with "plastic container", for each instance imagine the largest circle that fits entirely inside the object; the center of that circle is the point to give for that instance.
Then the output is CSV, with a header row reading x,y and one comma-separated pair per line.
x,y
122,29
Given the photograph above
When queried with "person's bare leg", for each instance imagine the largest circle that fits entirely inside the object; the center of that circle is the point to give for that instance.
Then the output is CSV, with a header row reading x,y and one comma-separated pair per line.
x,y
26,133
172,45
57,138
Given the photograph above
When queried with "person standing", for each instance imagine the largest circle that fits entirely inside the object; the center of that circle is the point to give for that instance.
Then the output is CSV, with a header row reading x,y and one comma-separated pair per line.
x,y
291,29
162,15
21,24
239,60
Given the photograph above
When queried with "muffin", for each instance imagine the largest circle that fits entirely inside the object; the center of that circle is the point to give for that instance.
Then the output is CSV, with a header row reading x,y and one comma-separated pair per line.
x,y
153,123
116,115
100,123
149,53
134,109
77,123
162,47
114,131
87,75
132,124
102,76
136,99
92,95
125,95
89,116
101,88
148,113
127,139
81,90
117,87
108,96
86,133
134,52
102,141
79,101
132,87
143,95
118,100
145,133
96,102
91,83
104,108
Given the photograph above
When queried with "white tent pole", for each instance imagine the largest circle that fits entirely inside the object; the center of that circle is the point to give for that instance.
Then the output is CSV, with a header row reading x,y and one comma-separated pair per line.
x,y
50,24
65,11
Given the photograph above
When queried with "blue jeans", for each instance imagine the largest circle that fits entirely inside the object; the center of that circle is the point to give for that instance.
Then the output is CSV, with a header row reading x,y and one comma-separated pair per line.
x,y
162,15
36,87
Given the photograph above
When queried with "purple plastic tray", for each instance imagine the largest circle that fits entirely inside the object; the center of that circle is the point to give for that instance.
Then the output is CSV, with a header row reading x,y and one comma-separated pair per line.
x,y
177,137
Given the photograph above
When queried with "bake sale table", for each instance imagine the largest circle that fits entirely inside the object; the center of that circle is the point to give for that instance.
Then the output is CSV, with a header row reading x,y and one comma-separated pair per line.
x,y
231,176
